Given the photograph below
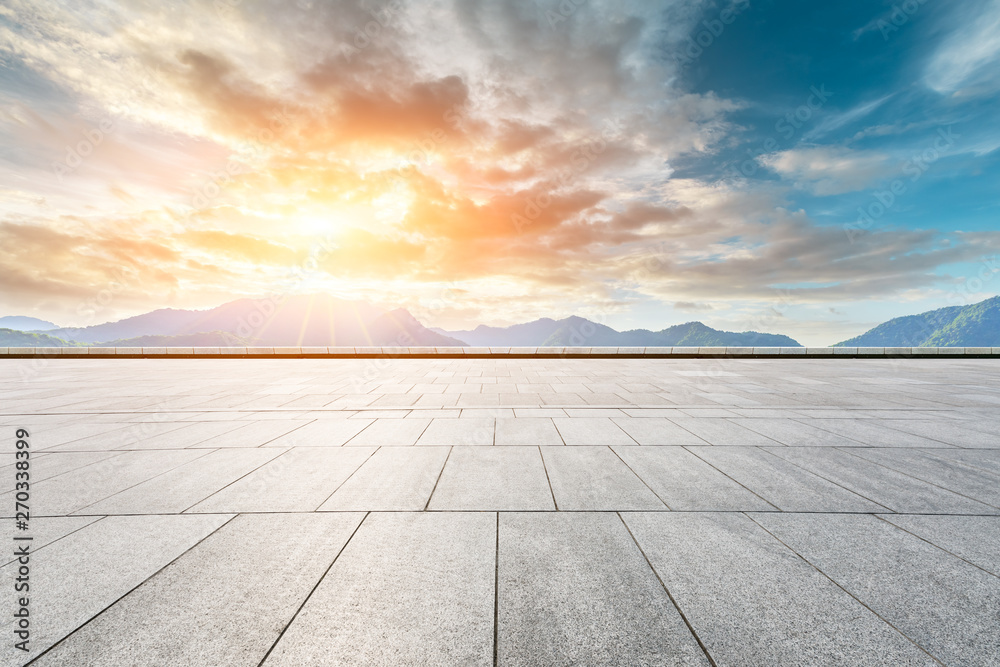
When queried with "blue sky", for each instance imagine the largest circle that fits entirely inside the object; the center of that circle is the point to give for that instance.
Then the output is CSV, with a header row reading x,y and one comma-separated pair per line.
x,y
802,168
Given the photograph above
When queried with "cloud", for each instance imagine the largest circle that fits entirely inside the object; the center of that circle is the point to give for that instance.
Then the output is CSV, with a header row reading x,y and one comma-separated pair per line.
x,y
829,170
467,141
967,59
691,306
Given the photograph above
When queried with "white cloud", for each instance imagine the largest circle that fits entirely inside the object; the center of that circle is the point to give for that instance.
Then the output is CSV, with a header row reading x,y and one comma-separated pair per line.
x,y
829,170
967,59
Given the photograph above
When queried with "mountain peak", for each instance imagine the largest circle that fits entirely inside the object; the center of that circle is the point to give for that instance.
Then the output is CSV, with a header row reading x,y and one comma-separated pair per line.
x,y
975,325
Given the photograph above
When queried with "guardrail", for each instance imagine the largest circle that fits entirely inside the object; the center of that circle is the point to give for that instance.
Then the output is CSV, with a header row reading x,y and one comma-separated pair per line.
x,y
496,352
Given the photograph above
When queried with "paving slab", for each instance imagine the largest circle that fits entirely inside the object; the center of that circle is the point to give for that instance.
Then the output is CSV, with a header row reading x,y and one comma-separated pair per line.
x,y
946,431
493,479
891,489
793,433
591,431
321,433
872,434
85,486
752,601
299,480
972,538
193,434
983,459
408,589
573,589
783,484
459,432
43,531
527,431
390,433
47,465
184,486
956,477
686,483
594,478
222,603
53,436
150,426
942,603
722,432
391,480
87,571
254,434
658,431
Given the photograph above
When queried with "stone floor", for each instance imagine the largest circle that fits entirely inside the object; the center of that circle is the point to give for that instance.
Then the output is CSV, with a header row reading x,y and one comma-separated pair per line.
x,y
512,512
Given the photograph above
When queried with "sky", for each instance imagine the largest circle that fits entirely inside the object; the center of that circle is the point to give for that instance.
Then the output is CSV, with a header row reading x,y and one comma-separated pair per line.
x,y
803,168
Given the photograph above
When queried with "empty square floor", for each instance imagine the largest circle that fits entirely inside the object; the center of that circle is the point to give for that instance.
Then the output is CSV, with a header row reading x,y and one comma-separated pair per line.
x,y
504,511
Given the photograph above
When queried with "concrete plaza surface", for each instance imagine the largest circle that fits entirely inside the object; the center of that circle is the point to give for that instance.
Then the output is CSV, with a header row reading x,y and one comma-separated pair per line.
x,y
506,511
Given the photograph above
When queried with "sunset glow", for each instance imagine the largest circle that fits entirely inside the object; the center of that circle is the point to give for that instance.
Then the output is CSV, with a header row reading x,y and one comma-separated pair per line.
x,y
537,159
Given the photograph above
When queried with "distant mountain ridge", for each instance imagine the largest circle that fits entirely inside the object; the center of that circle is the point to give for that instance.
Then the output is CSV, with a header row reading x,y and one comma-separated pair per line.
x,y
580,332
206,339
975,325
15,338
294,320
22,323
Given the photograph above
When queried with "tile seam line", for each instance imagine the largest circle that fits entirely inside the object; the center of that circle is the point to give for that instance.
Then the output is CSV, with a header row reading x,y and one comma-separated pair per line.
x,y
116,452
503,511
841,587
964,464
130,591
596,406
816,474
496,594
319,581
348,478
683,428
625,463
548,480
96,519
249,472
447,457
919,479
728,476
690,627
264,444
936,546
150,479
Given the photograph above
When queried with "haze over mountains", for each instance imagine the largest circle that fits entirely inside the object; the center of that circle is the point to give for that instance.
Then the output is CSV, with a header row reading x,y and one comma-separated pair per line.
x,y
577,331
22,323
294,320
323,320
320,320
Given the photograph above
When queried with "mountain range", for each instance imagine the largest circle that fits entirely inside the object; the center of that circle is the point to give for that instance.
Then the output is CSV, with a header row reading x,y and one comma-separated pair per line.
x,y
293,320
577,332
975,325
21,323
323,320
